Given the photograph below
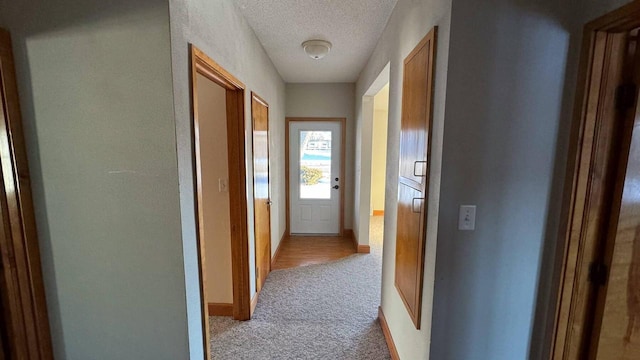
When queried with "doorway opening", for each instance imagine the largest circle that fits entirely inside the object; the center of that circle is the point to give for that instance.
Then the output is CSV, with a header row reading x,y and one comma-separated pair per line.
x,y
378,165
220,176
598,307
375,120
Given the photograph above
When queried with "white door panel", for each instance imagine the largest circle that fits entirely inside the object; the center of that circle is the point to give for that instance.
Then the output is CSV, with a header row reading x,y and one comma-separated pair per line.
x,y
314,177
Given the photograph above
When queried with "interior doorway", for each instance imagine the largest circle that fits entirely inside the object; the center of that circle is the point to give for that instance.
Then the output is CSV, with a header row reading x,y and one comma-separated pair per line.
x,y
214,201
379,150
220,174
375,120
379,160
598,308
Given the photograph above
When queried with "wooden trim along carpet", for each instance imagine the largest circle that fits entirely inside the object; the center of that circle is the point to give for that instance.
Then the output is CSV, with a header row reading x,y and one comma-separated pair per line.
x,y
387,335
274,259
218,309
361,249
254,302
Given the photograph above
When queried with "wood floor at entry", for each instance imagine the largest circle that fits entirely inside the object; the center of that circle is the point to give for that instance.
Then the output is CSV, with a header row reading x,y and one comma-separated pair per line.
x,y
297,251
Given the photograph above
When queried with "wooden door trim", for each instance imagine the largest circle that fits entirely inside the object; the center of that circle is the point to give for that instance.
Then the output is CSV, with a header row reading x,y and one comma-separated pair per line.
x,y
28,330
579,186
256,98
205,66
343,140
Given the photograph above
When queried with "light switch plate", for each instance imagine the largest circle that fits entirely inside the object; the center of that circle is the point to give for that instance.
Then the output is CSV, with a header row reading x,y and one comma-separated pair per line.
x,y
467,218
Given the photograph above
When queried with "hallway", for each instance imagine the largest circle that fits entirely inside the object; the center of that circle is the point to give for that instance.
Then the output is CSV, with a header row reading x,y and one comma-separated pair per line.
x,y
324,311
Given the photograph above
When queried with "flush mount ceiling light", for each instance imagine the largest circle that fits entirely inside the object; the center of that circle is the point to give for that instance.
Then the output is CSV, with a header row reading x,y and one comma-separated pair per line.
x,y
316,49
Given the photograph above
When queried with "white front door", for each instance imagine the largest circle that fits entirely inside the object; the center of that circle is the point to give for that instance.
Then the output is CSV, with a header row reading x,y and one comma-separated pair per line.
x,y
314,177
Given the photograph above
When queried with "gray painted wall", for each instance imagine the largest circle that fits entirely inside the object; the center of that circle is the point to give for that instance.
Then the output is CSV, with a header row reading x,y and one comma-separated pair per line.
x,y
512,68
409,23
96,95
218,28
328,100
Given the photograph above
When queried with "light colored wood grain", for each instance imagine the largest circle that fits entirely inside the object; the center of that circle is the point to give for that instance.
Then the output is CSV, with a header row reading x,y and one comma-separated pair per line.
x,y
261,180
413,184
24,318
378,212
387,335
309,250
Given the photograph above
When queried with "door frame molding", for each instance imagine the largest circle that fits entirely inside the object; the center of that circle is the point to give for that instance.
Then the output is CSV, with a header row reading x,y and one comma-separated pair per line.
x,y
205,66
343,135
580,190
256,98
26,320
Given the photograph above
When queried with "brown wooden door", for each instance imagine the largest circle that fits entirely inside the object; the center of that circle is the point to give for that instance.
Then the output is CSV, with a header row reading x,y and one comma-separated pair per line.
x,y
262,200
413,184
25,326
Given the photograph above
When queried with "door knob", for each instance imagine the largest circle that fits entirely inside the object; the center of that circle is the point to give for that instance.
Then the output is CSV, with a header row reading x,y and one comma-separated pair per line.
x,y
336,186
269,202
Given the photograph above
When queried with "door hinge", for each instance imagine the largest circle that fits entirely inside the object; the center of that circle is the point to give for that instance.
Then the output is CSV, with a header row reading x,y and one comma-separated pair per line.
x,y
625,96
598,273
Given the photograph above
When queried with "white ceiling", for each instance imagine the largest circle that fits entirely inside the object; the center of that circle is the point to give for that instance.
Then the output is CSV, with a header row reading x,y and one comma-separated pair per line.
x,y
352,26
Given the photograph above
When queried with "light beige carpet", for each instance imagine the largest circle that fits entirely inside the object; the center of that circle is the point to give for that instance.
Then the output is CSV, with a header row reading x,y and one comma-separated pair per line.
x,y
326,311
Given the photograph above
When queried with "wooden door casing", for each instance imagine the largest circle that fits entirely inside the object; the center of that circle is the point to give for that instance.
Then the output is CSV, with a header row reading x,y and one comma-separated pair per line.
x,y
618,299
25,319
589,203
262,199
201,64
413,182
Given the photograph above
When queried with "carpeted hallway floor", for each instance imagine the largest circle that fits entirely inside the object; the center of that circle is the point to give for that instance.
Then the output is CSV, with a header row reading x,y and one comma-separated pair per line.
x,y
326,311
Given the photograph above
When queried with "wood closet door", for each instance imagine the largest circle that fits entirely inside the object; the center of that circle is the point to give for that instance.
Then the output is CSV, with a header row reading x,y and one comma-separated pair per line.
x,y
413,182
262,199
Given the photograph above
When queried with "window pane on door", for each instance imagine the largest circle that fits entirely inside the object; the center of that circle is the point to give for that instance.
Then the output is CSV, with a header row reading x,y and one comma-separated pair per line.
x,y
315,164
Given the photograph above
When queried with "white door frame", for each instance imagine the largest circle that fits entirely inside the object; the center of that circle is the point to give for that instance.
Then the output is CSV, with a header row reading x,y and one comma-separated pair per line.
x,y
343,130
366,146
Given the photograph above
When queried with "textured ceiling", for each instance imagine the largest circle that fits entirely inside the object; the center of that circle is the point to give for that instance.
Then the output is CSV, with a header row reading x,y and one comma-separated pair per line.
x,y
352,26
